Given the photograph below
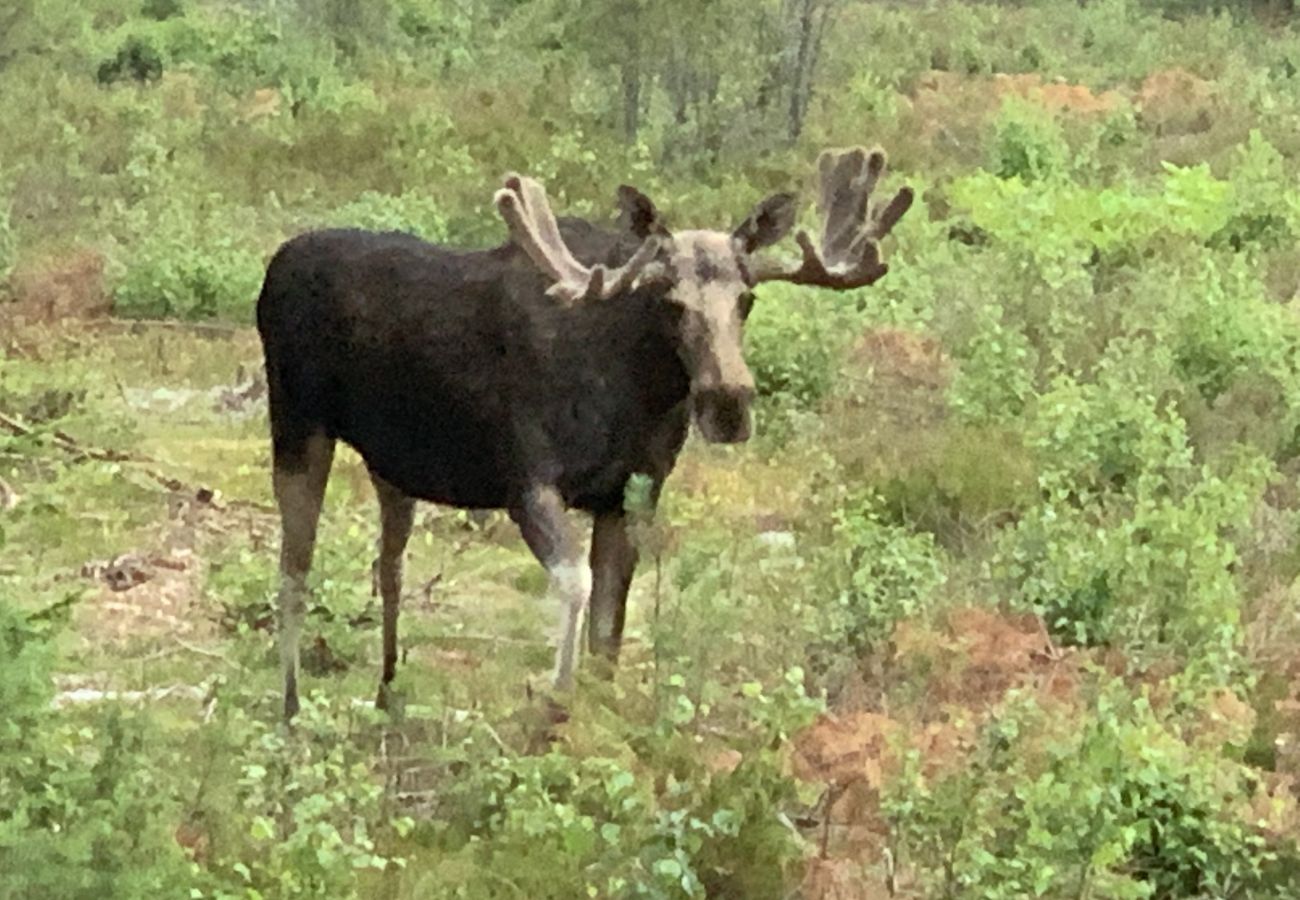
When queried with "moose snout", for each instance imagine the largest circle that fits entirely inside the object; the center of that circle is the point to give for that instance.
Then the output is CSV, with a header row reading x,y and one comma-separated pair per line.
x,y
722,412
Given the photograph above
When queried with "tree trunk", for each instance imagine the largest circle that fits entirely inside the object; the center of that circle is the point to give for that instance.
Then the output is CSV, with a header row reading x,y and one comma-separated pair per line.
x,y
631,78
811,19
799,88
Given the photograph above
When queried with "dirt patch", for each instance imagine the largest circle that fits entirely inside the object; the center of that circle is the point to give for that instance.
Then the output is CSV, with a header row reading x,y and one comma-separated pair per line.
x,y
958,670
892,396
955,107
1057,97
156,593
1174,101
263,103
143,597
180,95
448,659
905,355
843,879
51,289
845,749
977,654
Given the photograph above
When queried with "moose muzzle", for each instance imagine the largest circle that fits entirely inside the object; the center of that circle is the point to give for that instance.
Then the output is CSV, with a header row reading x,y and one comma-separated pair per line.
x,y
722,412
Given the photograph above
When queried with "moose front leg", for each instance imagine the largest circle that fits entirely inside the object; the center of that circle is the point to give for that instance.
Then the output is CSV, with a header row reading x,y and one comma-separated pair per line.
x,y
541,519
613,560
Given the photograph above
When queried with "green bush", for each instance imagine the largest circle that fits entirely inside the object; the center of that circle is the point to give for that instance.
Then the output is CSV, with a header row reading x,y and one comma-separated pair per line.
x,y
1132,542
310,811
189,262
1104,801
84,810
138,59
1265,202
560,826
1028,143
890,574
413,212
995,379
793,343
342,618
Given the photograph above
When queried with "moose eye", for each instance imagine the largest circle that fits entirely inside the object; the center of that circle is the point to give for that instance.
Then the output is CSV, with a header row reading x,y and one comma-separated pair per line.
x,y
674,309
746,304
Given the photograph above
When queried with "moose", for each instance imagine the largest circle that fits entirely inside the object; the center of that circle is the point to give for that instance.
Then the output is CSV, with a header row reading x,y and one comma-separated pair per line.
x,y
536,377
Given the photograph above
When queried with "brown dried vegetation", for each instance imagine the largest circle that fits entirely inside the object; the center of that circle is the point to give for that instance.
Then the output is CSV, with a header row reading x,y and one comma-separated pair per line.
x,y
53,288
955,674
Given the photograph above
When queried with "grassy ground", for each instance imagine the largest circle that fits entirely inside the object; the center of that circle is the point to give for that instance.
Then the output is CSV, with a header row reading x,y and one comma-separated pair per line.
x,y
1001,601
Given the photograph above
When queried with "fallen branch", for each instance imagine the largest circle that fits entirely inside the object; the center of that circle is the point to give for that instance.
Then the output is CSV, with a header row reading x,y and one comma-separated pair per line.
x,y
93,695
9,498
489,639
181,646
170,324
204,651
141,464
62,440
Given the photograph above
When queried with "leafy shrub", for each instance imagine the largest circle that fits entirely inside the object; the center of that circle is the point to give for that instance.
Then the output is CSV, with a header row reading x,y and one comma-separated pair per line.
x,y
891,574
138,59
310,811
413,212
558,826
1107,800
1131,542
83,812
791,345
1265,205
341,615
1230,329
995,378
189,263
1028,143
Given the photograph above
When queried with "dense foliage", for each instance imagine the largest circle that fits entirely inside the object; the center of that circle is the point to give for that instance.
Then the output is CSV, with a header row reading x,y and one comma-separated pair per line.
x,y
1000,602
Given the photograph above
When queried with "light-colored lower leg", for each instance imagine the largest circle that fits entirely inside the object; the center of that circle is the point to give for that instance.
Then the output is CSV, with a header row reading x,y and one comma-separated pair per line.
x,y
397,517
571,580
299,495
292,609
541,518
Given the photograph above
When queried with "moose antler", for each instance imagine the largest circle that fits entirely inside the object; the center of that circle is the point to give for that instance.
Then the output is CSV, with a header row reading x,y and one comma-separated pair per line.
x,y
849,255
527,213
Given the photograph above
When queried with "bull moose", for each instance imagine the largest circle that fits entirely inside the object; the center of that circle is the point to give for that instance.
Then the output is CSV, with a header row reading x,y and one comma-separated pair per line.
x,y
535,377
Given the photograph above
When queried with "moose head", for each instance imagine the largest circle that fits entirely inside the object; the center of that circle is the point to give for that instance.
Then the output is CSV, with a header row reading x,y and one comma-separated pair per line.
x,y
704,280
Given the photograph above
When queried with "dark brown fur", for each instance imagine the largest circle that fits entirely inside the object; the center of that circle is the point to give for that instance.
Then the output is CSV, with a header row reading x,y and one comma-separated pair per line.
x,y
460,382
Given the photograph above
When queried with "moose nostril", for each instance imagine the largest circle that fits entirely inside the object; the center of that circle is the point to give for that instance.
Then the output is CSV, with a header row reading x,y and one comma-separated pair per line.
x,y
730,398
723,412
731,404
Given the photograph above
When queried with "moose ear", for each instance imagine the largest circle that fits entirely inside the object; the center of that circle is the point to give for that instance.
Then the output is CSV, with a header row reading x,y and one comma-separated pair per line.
x,y
637,214
767,224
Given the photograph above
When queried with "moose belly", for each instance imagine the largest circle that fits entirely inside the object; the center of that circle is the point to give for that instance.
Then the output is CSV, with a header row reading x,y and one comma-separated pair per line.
x,y
431,453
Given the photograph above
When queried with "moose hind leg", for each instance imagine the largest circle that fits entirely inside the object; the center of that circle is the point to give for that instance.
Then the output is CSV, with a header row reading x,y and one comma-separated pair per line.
x,y
396,518
545,529
299,482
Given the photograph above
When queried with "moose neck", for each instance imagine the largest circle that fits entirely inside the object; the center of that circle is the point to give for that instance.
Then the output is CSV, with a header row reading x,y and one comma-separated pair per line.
x,y
627,338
